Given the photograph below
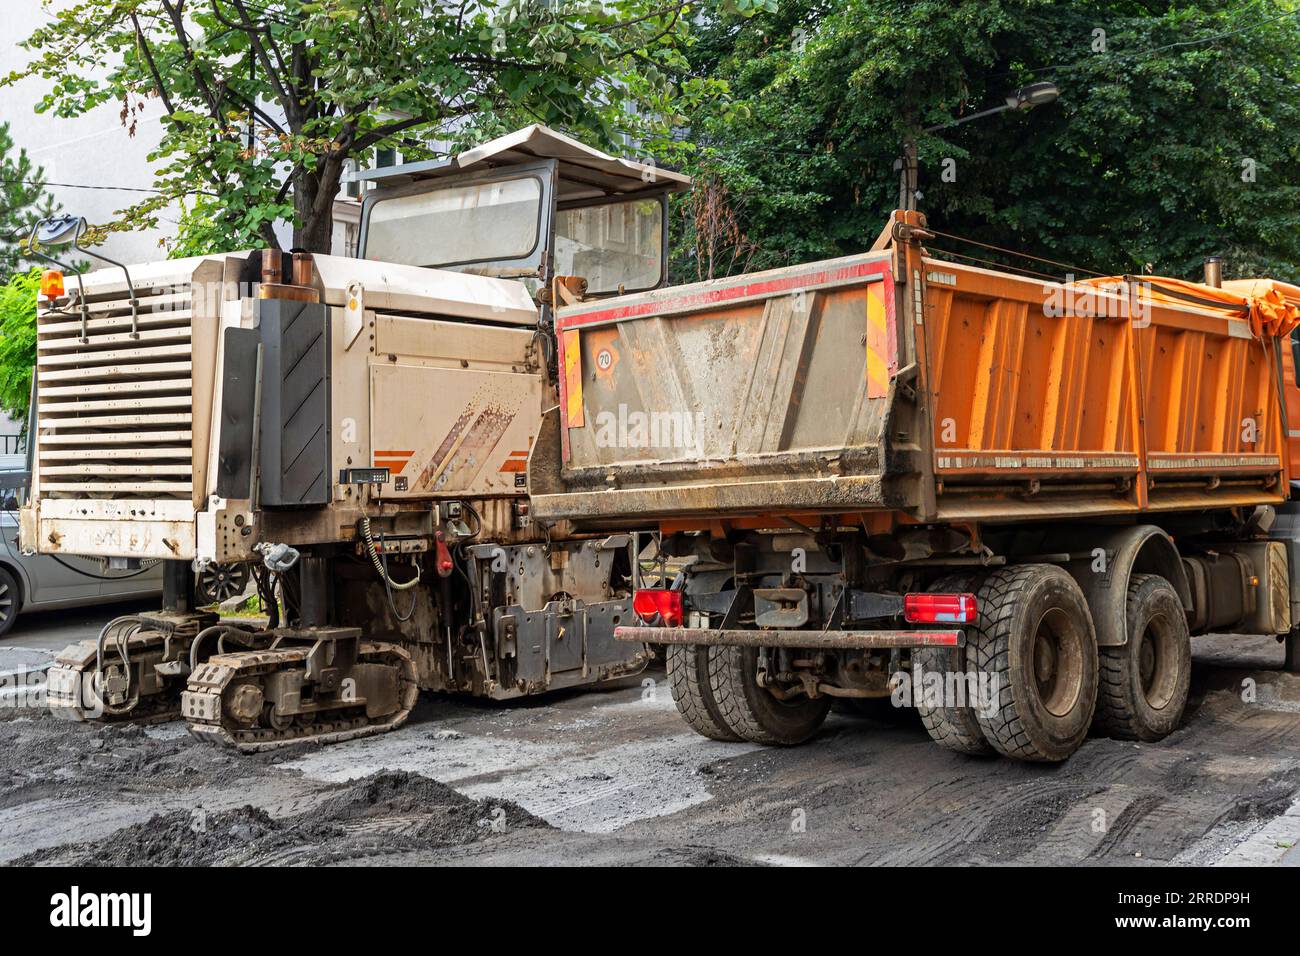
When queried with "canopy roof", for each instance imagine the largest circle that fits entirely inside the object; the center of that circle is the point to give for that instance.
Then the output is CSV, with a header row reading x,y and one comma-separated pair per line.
x,y
585,173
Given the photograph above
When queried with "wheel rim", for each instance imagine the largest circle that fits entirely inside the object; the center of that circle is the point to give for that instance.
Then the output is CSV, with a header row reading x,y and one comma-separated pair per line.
x,y
6,602
1057,662
1157,662
219,582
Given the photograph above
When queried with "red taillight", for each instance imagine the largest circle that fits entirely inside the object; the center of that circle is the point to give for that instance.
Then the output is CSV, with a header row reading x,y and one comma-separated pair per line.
x,y
661,603
939,608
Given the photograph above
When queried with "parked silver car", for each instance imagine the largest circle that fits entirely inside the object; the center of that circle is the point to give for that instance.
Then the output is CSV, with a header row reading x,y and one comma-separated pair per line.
x,y
46,582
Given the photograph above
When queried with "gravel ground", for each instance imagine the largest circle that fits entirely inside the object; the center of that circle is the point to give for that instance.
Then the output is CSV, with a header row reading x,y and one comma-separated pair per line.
x,y
613,776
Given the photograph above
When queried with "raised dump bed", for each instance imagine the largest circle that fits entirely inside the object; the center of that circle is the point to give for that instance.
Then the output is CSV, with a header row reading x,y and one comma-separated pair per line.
x,y
900,382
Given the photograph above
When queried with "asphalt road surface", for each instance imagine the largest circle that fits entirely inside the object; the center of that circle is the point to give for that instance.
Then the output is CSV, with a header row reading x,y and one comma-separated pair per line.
x,y
613,776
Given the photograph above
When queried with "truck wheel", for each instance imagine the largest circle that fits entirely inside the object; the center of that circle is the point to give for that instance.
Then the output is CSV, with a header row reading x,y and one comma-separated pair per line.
x,y
1035,644
954,727
688,679
10,601
753,711
1143,685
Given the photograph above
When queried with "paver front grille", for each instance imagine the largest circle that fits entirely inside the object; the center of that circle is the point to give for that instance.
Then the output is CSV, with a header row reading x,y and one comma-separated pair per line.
x,y
115,412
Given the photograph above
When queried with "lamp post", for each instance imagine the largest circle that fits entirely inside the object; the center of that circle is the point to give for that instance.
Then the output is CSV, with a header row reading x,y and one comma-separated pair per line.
x,y
1024,98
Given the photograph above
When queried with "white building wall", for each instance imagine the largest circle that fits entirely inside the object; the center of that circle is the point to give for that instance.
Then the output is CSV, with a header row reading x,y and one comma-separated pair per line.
x,y
94,149
12,450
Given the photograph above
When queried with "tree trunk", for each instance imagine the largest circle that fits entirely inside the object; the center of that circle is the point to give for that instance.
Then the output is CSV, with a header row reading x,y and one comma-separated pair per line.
x,y
313,203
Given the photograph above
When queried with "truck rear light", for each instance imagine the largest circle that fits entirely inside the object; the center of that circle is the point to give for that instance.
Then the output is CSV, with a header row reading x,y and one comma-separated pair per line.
x,y
939,608
659,602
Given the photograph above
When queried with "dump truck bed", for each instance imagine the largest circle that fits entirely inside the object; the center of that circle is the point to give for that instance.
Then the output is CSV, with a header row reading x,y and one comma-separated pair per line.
x,y
898,382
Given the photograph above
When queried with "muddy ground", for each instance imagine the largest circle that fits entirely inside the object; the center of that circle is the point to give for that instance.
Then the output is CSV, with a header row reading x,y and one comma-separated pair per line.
x,y
612,776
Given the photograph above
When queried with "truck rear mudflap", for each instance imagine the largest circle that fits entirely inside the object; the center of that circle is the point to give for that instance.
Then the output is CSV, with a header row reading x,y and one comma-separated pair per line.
x,y
804,640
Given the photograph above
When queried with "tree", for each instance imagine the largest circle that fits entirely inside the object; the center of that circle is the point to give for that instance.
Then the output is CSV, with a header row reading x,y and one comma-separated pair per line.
x,y
18,341
264,103
23,200
1176,135
710,243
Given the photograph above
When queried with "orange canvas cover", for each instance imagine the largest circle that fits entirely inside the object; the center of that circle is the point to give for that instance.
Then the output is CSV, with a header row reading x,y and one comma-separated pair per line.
x,y
1271,307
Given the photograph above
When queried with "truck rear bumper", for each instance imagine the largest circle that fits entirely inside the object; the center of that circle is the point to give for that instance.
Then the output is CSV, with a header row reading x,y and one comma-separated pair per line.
x,y
811,640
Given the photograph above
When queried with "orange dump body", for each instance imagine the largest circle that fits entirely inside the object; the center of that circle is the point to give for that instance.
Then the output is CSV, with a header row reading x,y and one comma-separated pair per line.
x,y
897,387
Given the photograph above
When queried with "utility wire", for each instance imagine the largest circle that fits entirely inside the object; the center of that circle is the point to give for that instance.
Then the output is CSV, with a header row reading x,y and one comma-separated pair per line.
x,y
989,262
1014,252
37,182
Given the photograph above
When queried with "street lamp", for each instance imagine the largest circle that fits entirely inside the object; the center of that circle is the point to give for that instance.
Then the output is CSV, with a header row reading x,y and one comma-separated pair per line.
x,y
1024,98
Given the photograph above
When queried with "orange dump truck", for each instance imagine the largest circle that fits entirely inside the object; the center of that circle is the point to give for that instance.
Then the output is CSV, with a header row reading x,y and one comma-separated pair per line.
x,y
1004,501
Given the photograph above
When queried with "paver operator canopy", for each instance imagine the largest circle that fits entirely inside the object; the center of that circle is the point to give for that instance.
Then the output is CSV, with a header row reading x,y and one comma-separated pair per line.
x,y
500,201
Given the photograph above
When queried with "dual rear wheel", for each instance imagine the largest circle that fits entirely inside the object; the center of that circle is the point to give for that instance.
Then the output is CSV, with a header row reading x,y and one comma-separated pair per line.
x,y
719,692
1029,683
1042,682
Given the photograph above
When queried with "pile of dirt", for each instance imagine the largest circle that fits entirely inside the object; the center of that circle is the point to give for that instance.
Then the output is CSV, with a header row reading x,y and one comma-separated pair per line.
x,y
440,816
382,814
173,839
1018,827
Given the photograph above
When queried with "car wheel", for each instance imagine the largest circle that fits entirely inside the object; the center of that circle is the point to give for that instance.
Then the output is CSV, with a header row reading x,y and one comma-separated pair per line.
x,y
10,601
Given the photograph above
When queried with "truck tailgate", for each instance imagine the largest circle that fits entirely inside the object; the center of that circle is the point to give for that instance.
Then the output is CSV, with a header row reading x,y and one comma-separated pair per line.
x,y
763,392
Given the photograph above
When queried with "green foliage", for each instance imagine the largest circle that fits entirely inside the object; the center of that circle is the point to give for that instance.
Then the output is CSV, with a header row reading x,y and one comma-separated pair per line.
x,y
265,102
22,201
204,228
18,341
1142,162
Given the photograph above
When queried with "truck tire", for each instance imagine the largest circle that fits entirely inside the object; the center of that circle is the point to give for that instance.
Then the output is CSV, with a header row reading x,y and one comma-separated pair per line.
x,y
688,680
955,727
753,711
1035,643
10,601
1142,686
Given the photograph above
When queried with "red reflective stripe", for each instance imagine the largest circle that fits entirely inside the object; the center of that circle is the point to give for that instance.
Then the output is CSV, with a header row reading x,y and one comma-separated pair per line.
x,y
714,296
937,638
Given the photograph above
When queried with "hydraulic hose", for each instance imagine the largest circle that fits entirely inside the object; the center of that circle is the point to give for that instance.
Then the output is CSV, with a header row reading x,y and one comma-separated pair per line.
x,y
379,566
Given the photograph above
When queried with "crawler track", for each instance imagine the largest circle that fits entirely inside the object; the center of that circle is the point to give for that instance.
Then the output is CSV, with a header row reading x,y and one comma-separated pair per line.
x,y
209,701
